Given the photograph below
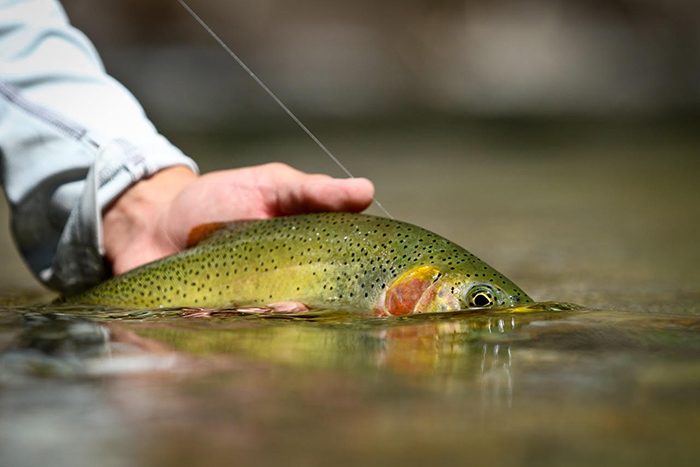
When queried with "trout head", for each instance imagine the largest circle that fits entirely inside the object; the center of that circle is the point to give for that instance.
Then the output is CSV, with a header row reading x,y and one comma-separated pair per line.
x,y
428,289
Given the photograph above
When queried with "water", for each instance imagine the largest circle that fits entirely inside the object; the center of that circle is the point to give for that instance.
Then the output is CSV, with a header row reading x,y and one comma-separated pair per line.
x,y
547,385
602,217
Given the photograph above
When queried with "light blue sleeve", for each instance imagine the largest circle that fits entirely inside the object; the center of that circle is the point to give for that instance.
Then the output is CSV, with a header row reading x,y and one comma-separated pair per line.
x,y
72,139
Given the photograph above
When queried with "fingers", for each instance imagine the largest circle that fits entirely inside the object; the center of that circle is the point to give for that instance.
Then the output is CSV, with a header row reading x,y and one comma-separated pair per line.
x,y
297,192
353,195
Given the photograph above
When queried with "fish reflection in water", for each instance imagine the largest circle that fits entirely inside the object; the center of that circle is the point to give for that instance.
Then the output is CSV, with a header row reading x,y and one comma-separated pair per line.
x,y
496,382
66,341
441,351
446,349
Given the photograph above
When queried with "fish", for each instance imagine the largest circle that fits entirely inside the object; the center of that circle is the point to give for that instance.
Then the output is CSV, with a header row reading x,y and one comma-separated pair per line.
x,y
334,260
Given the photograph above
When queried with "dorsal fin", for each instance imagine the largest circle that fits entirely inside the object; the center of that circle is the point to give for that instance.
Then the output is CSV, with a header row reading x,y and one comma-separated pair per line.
x,y
204,232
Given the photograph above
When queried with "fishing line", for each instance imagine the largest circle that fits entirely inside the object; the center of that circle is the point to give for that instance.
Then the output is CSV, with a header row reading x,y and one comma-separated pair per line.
x,y
274,97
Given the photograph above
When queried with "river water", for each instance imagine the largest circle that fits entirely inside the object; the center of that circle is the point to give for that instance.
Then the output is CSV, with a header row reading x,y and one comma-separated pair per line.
x,y
598,222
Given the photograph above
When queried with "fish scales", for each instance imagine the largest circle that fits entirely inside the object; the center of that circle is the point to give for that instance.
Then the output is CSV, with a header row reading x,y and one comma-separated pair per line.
x,y
326,260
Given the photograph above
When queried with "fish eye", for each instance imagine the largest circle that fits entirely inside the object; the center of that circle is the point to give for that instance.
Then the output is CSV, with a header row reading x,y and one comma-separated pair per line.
x,y
481,296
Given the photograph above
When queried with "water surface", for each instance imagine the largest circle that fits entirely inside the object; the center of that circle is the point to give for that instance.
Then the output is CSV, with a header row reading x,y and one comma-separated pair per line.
x,y
601,216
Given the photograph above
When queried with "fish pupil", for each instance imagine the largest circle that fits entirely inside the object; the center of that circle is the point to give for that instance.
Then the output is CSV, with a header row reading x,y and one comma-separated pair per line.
x,y
482,299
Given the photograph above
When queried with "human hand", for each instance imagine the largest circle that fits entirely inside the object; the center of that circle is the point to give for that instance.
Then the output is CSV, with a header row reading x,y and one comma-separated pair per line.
x,y
154,217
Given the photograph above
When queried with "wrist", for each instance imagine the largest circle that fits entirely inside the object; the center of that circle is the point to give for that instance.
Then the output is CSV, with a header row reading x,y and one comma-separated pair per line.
x,y
132,230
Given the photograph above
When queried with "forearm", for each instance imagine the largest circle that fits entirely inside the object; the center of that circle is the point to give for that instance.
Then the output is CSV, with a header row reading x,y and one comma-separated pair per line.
x,y
54,65
72,140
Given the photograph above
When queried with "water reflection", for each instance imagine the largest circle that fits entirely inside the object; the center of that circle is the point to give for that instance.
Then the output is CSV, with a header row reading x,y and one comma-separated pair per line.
x,y
53,345
412,389
59,345
496,382
472,346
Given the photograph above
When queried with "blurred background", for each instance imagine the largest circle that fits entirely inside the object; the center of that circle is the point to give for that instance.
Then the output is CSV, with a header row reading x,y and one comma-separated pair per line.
x,y
332,58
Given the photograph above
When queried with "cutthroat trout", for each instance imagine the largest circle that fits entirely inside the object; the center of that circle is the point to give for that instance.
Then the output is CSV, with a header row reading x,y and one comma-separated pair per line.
x,y
329,260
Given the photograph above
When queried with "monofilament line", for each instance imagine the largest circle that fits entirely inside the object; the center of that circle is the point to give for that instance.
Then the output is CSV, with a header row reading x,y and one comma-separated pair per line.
x,y
274,97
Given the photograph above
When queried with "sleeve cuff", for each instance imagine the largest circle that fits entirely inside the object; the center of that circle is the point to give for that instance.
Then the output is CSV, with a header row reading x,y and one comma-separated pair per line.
x,y
79,261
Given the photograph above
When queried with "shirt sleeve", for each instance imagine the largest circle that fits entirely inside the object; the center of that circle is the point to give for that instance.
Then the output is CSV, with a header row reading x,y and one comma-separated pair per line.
x,y
72,139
